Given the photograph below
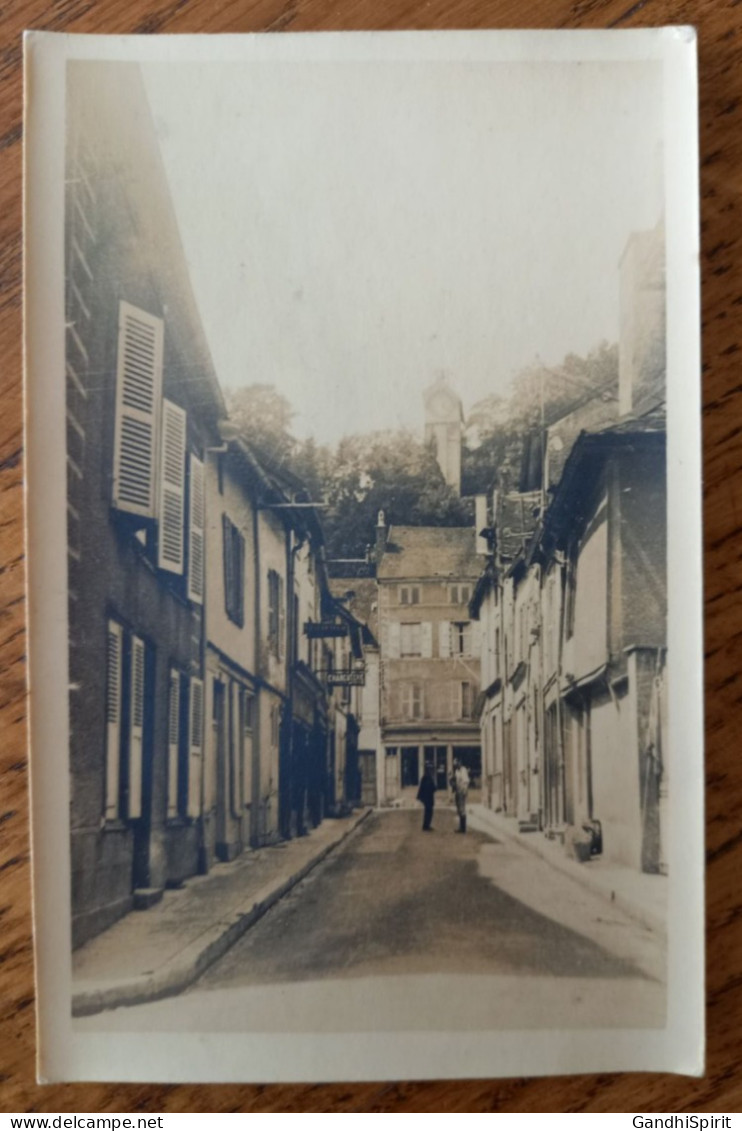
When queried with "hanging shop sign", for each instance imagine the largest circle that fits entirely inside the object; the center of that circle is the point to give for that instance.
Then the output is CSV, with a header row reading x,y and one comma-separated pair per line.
x,y
322,628
347,677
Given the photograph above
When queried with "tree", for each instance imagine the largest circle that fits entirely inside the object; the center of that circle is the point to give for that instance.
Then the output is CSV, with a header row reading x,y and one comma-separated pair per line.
x,y
393,472
264,417
504,438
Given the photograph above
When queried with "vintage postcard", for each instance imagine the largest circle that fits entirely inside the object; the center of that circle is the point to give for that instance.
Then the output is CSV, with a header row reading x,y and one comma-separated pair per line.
x,y
362,379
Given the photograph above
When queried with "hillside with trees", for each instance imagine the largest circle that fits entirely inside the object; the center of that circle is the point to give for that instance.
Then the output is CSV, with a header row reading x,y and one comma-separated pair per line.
x,y
397,473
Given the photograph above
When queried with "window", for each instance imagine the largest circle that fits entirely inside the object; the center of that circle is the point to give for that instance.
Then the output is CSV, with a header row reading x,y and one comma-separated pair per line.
x,y
126,702
138,404
409,594
411,639
195,746
461,638
412,701
185,744
467,700
234,571
276,615
248,711
460,594
410,766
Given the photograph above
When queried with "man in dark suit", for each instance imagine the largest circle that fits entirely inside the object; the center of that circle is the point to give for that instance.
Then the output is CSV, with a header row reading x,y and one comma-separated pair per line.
x,y
426,794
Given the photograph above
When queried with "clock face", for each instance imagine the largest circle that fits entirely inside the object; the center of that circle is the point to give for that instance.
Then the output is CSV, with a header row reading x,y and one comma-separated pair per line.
x,y
440,404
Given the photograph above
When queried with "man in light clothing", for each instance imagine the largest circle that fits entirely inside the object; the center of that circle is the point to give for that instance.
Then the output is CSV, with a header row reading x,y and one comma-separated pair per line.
x,y
460,792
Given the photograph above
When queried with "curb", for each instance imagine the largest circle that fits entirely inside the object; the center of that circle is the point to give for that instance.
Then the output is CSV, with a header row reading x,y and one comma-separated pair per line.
x,y
489,825
202,952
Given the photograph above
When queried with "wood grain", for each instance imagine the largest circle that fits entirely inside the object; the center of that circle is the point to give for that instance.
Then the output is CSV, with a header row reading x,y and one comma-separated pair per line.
x,y
720,33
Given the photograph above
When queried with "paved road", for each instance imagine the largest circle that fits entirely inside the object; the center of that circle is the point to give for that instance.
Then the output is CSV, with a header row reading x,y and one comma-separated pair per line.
x,y
395,901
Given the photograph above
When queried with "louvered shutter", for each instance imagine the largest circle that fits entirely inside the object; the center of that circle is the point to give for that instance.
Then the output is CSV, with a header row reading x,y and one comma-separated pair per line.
x,y
113,719
281,619
235,761
136,728
426,639
240,580
138,395
394,639
476,639
210,745
196,531
195,745
170,511
444,639
228,559
173,744
247,705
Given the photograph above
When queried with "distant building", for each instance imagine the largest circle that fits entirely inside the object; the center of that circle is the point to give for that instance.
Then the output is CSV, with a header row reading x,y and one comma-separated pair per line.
x,y
360,596
443,428
503,604
429,655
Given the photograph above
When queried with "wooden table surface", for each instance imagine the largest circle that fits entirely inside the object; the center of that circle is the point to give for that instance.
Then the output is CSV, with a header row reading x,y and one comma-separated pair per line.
x,y
719,24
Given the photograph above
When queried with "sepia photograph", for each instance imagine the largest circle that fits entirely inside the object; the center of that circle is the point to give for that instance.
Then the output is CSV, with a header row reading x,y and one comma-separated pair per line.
x,y
364,543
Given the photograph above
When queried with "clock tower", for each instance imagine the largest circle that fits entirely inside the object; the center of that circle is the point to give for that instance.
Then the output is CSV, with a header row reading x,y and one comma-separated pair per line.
x,y
443,420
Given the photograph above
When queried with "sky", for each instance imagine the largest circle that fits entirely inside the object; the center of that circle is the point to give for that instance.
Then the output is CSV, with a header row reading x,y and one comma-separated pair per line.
x,y
354,229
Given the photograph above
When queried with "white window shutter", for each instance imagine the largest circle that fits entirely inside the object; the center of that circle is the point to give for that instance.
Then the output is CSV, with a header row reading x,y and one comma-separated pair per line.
x,y
281,620
136,727
196,531
113,719
444,639
210,745
173,743
195,745
476,639
172,488
138,395
394,640
235,761
426,639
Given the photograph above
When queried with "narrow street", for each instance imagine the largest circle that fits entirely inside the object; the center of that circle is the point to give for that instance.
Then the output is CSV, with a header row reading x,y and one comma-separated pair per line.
x,y
392,901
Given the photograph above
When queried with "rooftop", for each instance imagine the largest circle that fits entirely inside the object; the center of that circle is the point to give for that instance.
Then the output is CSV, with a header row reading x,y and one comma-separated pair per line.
x,y
430,551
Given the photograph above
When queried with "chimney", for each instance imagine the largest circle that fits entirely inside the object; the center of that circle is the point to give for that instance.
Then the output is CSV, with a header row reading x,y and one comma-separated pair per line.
x,y
381,533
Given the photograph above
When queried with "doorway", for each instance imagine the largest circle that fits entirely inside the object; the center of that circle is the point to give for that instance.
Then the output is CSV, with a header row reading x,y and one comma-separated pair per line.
x,y
367,765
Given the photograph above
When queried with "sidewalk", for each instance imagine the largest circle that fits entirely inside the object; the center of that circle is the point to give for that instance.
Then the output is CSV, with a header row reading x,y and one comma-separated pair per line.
x,y
641,896
150,954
